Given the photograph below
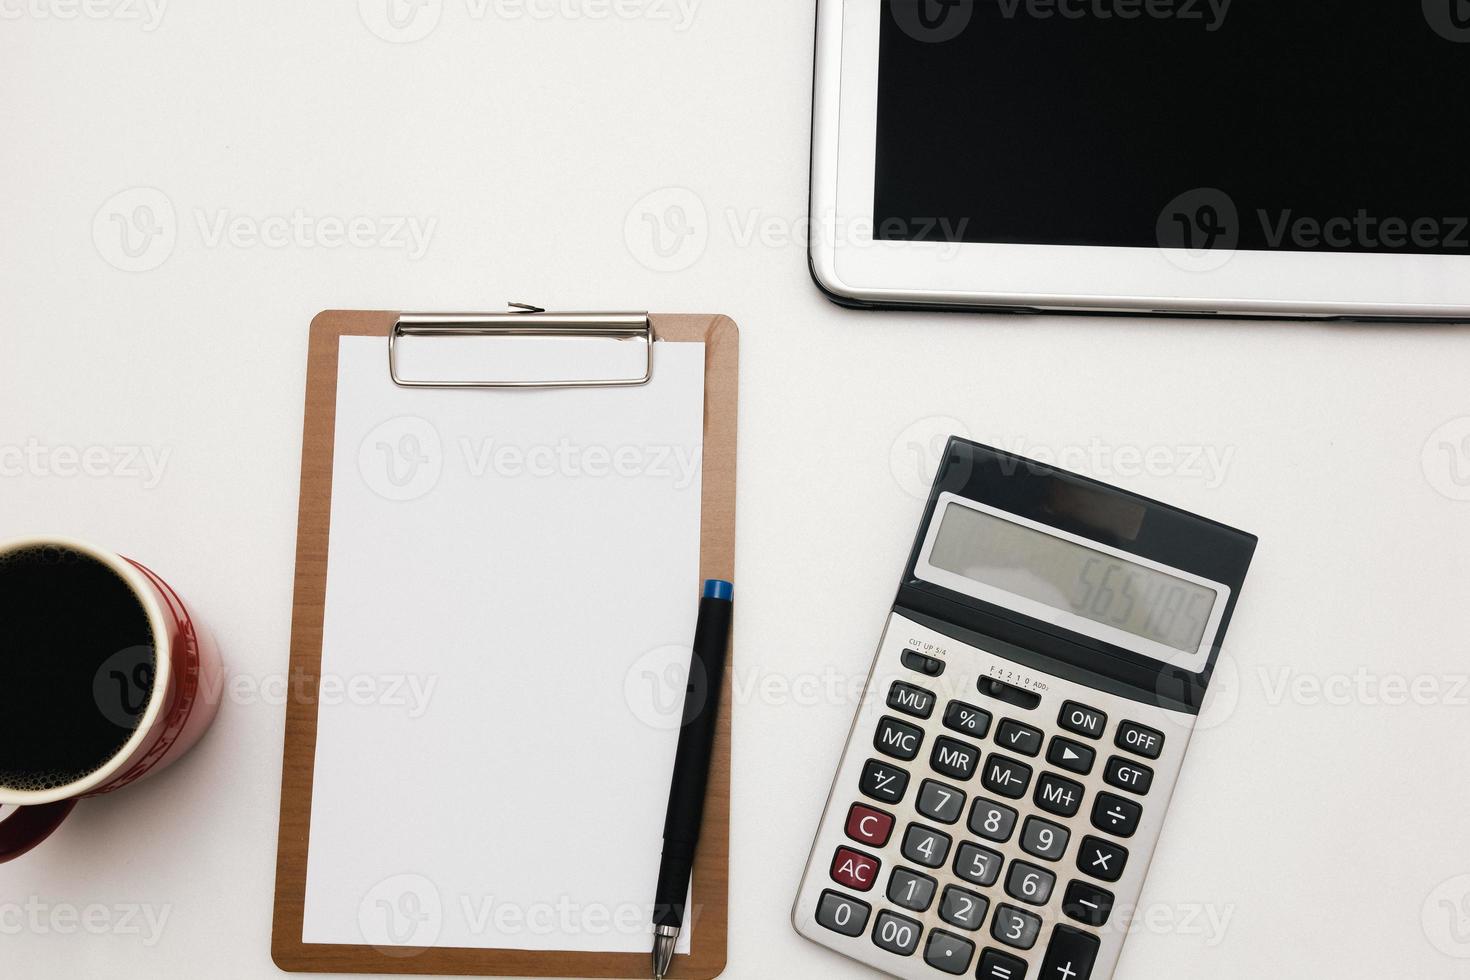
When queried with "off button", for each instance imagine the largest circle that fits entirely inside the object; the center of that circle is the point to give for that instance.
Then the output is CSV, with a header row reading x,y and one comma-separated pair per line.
x,y
1083,720
1140,740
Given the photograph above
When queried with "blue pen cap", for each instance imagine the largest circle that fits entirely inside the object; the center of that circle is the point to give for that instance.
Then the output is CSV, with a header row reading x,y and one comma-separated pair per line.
x,y
715,588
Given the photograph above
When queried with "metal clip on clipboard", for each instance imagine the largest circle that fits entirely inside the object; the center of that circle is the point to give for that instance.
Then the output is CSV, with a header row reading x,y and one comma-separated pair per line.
x,y
524,321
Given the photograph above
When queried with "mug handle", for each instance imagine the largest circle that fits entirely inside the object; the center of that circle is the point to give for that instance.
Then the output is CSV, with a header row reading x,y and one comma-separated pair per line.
x,y
29,825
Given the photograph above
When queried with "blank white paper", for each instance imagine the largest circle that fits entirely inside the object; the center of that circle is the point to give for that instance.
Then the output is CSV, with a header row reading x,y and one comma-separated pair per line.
x,y
511,598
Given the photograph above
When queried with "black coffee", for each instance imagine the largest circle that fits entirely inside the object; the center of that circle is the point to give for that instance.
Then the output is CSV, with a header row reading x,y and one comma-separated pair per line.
x,y
76,666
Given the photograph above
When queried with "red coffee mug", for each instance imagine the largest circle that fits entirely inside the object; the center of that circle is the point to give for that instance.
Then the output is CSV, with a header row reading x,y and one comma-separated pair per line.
x,y
182,701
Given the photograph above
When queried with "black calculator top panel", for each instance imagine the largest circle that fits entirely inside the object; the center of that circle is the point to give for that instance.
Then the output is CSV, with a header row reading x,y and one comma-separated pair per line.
x,y
1075,513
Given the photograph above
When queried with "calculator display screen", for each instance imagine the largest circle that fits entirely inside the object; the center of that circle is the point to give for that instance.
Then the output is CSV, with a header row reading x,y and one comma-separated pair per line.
x,y
1071,577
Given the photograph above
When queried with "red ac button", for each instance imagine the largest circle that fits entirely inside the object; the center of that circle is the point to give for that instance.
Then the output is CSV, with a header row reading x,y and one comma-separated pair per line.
x,y
854,870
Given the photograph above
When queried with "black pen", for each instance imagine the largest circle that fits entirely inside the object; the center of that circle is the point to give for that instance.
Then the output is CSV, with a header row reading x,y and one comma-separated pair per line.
x,y
691,769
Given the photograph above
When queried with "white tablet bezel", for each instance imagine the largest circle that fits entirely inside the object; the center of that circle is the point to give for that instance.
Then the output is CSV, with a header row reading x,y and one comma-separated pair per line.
x,y
848,263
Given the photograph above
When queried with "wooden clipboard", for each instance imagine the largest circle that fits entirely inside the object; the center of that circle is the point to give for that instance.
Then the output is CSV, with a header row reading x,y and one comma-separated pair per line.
x,y
709,909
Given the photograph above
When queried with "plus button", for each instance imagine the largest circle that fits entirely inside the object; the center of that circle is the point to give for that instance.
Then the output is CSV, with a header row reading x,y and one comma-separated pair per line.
x,y
1070,955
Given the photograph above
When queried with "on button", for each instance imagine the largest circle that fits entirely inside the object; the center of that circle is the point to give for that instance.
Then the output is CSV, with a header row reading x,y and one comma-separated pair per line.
x,y
1083,720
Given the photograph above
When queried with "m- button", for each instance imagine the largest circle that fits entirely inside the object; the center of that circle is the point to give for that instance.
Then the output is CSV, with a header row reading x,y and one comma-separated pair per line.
x,y
1085,721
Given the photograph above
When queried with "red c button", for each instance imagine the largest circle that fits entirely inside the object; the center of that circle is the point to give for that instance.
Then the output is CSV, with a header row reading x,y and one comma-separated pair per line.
x,y
868,825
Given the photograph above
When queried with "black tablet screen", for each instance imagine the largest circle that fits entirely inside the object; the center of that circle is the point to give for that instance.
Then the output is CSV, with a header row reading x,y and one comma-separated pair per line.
x,y
1251,124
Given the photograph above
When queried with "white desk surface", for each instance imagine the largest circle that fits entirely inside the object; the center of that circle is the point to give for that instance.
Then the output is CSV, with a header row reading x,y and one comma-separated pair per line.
x,y
1321,816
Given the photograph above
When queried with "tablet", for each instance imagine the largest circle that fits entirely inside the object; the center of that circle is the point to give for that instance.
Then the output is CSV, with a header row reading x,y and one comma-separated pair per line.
x,y
1229,157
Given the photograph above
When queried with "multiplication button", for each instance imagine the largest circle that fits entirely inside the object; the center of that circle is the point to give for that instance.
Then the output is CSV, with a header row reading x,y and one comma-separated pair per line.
x,y
1101,859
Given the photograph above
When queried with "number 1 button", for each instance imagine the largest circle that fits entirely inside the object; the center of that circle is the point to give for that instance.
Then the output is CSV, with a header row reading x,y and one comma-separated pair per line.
x,y
1070,955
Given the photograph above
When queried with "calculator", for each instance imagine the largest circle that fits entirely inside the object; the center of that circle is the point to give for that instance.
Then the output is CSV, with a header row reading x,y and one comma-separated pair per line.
x,y
1007,774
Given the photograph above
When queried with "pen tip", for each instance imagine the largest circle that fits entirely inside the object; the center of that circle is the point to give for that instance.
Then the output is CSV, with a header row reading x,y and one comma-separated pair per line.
x,y
663,951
